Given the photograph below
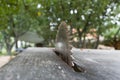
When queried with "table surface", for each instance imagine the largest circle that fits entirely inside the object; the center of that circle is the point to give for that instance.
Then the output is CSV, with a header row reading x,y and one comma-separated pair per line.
x,y
44,64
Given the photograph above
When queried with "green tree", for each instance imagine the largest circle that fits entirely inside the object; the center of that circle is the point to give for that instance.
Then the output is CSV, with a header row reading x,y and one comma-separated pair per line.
x,y
79,14
15,22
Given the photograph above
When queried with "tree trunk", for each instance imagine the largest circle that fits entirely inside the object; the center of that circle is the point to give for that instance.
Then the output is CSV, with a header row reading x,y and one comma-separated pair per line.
x,y
115,41
9,48
16,44
83,30
80,38
84,41
98,38
97,42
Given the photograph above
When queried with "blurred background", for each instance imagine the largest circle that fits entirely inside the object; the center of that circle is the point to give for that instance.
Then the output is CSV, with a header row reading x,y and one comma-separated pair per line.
x,y
93,24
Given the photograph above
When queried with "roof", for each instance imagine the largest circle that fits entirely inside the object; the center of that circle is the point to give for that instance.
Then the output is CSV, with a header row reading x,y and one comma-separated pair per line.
x,y
32,37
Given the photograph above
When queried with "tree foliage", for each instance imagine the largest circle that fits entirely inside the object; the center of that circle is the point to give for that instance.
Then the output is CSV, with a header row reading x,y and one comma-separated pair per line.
x,y
43,17
81,15
15,21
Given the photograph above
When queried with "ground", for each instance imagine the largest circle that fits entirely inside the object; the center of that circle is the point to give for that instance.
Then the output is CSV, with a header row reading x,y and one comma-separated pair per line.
x,y
4,60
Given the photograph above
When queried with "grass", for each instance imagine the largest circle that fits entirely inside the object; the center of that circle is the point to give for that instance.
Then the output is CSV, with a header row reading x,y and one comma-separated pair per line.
x,y
4,53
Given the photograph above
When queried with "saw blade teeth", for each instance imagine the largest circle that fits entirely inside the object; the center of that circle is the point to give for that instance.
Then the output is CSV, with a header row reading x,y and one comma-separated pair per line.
x,y
68,32
70,41
63,44
70,46
70,37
